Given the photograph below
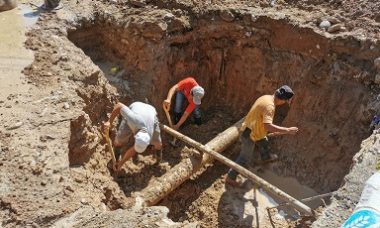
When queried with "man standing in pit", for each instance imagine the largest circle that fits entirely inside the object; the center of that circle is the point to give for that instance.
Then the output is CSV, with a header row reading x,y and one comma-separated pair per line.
x,y
258,122
187,88
139,120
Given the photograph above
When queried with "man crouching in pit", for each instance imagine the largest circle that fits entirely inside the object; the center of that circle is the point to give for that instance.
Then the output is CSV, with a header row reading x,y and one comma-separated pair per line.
x,y
139,120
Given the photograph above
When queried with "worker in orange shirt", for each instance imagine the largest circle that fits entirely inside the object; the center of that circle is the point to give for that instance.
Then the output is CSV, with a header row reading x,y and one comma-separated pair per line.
x,y
187,88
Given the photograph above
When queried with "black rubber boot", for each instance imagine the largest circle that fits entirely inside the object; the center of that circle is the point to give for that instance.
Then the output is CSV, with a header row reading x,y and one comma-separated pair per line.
x,y
268,157
118,151
176,117
198,120
264,156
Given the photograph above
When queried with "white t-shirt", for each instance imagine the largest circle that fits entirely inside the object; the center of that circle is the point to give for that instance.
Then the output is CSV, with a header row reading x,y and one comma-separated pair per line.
x,y
140,117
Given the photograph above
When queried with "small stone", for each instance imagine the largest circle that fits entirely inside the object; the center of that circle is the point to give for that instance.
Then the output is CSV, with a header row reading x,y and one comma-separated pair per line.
x,y
377,79
69,188
64,58
33,163
335,28
138,3
78,180
43,183
43,112
84,201
66,105
8,106
308,223
226,15
169,16
376,62
42,147
17,125
333,20
177,12
325,24
103,207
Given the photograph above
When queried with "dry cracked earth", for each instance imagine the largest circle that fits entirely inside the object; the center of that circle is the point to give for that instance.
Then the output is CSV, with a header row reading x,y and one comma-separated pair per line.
x,y
75,63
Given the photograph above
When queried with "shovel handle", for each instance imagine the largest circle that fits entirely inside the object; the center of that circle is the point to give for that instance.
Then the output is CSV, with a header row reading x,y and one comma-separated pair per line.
x,y
106,135
167,116
170,123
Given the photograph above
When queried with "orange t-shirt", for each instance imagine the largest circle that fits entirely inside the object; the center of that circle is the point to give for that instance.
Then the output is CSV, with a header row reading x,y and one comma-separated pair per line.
x,y
262,112
185,87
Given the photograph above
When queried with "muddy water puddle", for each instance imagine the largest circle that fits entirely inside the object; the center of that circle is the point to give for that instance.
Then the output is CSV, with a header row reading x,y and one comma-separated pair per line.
x,y
289,185
250,204
14,57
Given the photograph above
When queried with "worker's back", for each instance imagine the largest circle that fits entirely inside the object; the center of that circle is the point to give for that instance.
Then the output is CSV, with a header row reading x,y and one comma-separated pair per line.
x,y
262,111
140,116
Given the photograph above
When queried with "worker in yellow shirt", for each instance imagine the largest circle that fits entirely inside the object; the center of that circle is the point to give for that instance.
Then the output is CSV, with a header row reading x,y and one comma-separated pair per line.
x,y
257,124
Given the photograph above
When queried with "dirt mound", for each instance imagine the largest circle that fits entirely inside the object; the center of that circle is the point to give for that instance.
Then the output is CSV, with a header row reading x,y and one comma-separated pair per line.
x,y
134,217
7,5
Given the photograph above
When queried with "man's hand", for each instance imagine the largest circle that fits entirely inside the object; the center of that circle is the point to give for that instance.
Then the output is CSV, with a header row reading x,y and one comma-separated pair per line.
x,y
107,126
243,127
116,166
175,127
166,105
292,130
272,134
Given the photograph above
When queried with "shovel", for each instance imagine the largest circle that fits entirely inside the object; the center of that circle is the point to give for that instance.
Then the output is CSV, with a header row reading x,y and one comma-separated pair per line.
x,y
106,135
173,142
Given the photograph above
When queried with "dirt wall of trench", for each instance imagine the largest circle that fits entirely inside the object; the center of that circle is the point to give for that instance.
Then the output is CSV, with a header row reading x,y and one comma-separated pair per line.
x,y
238,62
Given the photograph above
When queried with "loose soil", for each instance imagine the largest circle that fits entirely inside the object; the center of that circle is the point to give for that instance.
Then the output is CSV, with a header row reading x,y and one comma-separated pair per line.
x,y
91,54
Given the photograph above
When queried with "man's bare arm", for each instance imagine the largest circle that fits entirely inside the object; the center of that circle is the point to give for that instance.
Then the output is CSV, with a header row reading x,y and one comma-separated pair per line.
x,y
278,130
114,114
181,121
169,97
127,155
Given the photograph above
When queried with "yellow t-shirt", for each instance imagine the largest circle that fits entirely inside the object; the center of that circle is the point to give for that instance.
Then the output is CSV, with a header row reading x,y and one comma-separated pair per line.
x,y
262,111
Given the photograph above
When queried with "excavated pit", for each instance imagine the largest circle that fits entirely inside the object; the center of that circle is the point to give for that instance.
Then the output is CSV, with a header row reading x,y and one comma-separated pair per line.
x,y
236,63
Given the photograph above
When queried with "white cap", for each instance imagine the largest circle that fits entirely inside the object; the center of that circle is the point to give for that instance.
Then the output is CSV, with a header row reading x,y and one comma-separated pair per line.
x,y
142,141
198,92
